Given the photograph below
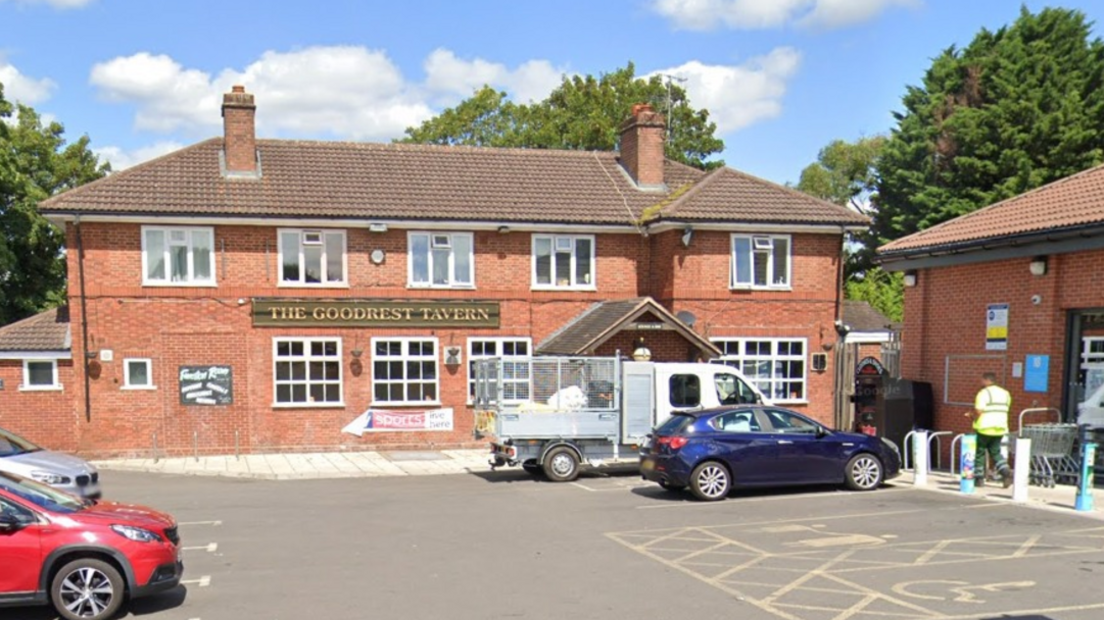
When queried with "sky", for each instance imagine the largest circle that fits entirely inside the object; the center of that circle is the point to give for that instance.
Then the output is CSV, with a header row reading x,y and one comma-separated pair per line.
x,y
781,78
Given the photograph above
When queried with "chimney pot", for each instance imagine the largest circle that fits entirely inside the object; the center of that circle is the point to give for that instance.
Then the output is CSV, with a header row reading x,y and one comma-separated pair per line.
x,y
642,140
239,131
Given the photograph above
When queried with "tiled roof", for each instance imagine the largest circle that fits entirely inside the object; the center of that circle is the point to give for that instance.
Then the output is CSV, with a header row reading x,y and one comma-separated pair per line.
x,y
730,195
601,321
860,316
46,331
429,182
1077,200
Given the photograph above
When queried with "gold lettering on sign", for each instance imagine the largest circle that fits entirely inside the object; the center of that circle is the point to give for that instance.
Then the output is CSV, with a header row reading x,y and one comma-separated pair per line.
x,y
288,312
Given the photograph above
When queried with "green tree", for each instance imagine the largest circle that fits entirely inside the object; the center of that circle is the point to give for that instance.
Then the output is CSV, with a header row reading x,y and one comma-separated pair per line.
x,y
1017,108
584,113
35,163
883,290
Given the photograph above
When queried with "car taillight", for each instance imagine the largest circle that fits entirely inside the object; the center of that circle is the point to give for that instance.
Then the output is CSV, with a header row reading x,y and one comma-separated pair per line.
x,y
674,443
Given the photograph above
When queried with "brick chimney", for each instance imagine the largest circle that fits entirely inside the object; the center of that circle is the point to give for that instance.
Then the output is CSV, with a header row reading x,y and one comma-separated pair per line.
x,y
642,137
239,138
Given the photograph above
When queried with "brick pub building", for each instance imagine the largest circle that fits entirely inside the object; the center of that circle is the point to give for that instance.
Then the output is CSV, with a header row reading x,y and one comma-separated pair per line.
x,y
266,294
1014,289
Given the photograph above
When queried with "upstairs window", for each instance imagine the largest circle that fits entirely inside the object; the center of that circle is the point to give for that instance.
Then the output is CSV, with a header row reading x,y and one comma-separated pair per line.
x,y
312,257
441,260
178,256
761,261
563,261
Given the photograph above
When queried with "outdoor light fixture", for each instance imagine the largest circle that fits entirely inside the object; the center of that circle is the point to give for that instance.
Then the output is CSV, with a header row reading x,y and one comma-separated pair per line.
x,y
1038,266
687,235
502,230
377,227
641,353
910,279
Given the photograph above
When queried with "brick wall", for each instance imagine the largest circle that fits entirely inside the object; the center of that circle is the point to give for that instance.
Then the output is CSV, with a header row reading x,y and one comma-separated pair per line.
x,y
44,417
176,326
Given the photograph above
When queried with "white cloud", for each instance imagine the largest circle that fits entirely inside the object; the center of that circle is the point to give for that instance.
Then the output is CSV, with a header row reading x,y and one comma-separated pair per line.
x,y
121,159
447,74
57,4
737,96
761,14
26,90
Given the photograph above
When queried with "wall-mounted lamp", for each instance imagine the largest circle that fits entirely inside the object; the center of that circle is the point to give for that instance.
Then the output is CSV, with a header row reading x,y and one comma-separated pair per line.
x,y
357,352
452,356
910,279
502,230
687,235
377,227
641,353
1038,266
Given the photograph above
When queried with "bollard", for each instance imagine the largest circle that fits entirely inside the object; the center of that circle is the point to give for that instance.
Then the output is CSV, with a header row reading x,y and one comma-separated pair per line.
x,y
195,445
1021,470
969,447
920,458
156,458
237,453
1085,484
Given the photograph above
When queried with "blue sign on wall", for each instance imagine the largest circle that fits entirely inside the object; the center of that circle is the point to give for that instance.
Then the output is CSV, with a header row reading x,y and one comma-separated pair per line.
x,y
1036,370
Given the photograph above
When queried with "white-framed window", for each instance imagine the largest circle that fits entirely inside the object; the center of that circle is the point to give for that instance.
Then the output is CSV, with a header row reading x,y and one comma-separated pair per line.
x,y
441,260
178,256
775,365
307,372
404,371
138,374
40,375
516,371
761,261
563,261
312,257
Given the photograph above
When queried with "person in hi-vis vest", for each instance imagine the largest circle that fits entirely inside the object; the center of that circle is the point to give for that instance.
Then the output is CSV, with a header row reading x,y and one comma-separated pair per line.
x,y
990,416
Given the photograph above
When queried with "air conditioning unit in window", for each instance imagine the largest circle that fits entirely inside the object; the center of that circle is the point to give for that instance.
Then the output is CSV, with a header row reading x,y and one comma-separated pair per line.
x,y
820,362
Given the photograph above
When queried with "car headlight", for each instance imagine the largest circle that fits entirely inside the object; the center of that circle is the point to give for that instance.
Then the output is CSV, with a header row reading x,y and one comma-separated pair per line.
x,y
49,477
136,534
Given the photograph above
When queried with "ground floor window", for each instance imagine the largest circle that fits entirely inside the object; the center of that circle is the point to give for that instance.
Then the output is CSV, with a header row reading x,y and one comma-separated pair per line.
x,y
138,375
515,353
775,365
307,371
404,370
40,375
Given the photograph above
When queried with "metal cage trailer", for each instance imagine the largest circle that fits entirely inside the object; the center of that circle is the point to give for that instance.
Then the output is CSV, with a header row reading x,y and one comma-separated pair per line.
x,y
553,415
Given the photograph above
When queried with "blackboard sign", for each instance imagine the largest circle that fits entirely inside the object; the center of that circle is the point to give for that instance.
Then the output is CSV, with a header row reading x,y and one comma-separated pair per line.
x,y
206,385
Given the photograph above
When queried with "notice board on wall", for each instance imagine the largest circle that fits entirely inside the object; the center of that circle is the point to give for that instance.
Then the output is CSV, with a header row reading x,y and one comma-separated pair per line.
x,y
208,385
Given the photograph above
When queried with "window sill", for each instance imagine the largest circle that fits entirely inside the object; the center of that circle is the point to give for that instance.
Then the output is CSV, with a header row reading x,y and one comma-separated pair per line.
x,y
139,388
417,403
340,405
545,287
441,287
41,388
789,402
343,285
157,284
777,289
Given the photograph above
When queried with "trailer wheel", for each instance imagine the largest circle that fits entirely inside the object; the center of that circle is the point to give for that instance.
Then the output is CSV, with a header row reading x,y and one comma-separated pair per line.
x,y
532,467
561,464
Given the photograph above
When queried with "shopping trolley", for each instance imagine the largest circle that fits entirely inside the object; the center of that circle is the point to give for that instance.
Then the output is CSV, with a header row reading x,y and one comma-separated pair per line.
x,y
1052,445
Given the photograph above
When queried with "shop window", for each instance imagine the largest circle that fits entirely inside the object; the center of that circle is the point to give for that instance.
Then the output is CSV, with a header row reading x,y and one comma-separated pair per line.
x,y
404,371
761,261
563,261
776,366
138,374
178,256
40,375
312,257
307,372
441,260
516,371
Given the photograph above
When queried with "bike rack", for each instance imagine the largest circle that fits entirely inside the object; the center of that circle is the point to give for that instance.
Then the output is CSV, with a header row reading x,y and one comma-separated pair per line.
x,y
954,454
939,447
906,443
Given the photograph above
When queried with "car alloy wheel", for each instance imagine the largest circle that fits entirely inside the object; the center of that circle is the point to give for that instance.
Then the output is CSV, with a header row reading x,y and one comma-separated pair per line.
x,y
710,481
87,589
864,472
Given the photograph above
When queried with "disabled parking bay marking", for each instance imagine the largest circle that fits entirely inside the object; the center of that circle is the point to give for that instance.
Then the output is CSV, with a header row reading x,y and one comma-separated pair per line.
x,y
202,582
209,548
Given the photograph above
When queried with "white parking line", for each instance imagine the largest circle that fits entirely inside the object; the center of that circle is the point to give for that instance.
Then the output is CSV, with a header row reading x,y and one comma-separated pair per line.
x,y
212,523
202,582
211,548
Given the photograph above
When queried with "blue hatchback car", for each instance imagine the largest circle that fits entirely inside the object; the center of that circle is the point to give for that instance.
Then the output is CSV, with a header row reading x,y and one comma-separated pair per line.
x,y
714,450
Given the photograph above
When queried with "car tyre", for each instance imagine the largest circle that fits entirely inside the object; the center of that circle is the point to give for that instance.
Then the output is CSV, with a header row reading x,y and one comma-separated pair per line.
x,y
561,464
864,472
710,481
87,589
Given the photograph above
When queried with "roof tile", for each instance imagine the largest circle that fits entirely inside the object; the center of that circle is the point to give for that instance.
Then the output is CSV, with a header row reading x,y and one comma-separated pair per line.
x,y
46,331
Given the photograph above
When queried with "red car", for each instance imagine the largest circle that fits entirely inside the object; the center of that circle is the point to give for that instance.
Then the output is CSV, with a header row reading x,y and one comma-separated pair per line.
x,y
86,557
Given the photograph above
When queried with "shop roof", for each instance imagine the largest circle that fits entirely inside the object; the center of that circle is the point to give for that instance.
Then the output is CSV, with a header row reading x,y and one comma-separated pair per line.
x,y
601,321
308,179
1070,203
46,331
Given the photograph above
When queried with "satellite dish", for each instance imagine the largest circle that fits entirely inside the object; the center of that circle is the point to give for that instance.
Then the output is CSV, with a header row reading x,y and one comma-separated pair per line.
x,y
687,317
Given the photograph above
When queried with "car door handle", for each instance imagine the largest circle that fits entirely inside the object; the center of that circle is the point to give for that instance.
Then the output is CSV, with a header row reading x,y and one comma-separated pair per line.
x,y
784,442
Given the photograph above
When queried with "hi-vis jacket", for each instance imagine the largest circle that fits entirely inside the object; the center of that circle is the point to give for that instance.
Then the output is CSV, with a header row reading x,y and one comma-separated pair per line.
x,y
994,403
